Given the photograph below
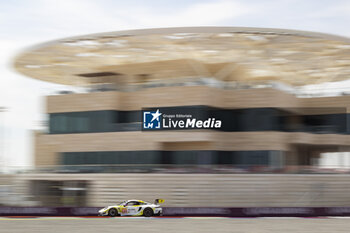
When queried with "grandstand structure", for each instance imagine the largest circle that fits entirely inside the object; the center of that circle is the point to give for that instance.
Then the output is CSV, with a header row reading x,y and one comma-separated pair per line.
x,y
246,77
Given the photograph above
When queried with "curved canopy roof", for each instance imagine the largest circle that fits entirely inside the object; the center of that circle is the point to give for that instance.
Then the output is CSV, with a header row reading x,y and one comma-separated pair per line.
x,y
225,53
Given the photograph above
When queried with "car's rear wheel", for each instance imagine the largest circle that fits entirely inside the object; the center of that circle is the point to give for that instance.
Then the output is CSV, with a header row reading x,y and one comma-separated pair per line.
x,y
148,212
112,212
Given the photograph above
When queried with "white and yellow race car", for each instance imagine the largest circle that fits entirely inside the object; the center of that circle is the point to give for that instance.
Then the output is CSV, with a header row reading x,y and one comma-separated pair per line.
x,y
133,208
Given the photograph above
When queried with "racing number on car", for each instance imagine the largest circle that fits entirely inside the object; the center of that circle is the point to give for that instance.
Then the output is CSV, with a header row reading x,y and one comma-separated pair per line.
x,y
124,210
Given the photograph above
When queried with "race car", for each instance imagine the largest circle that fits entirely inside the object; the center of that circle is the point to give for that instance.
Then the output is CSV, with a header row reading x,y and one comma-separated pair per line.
x,y
133,208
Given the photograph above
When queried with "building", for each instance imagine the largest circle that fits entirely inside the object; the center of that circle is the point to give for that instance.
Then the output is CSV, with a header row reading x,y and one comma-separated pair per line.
x,y
246,77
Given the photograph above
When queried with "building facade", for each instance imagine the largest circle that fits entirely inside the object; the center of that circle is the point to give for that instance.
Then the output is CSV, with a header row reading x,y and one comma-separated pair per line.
x,y
260,127
245,77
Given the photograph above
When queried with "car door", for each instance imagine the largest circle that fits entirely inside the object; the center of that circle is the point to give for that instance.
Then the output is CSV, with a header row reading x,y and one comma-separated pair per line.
x,y
131,208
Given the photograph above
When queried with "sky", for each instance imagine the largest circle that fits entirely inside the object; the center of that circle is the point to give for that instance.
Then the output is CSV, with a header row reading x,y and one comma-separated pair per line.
x,y
26,23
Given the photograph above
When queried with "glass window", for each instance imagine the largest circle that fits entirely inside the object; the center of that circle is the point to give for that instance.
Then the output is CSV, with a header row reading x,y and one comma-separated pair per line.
x,y
128,116
184,157
82,124
172,157
132,203
225,157
253,119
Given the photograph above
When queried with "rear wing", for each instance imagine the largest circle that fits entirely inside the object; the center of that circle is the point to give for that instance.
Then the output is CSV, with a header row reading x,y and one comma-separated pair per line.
x,y
158,201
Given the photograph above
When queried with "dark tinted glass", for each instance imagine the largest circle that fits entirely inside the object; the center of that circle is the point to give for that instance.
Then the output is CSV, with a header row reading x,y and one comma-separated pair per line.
x,y
233,120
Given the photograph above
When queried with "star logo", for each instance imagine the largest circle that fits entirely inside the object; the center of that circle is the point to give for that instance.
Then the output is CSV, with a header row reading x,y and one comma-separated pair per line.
x,y
151,119
156,115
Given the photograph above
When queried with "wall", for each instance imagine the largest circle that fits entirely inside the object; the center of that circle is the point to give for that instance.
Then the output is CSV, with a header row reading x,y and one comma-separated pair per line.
x,y
212,190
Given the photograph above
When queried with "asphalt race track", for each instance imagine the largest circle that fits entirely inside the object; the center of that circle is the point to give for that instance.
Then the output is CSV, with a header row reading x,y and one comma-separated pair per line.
x,y
172,225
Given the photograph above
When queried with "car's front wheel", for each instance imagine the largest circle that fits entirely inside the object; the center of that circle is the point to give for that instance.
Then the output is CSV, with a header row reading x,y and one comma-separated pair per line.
x,y
112,212
148,212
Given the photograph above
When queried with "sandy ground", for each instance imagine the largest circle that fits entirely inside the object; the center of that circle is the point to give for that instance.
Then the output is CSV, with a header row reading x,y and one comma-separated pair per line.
x,y
172,225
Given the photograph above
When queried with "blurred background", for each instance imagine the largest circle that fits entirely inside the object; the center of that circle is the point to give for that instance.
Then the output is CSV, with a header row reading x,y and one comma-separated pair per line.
x,y
70,135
